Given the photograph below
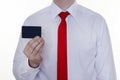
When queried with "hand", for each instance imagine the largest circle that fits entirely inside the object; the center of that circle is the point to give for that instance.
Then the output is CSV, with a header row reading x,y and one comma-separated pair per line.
x,y
33,51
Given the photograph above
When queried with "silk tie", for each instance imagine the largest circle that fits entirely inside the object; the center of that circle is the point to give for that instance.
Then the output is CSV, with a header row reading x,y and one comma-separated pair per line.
x,y
62,48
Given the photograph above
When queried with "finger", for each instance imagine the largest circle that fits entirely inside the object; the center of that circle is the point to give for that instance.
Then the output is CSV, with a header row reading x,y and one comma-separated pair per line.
x,y
30,42
33,46
27,51
26,47
39,58
38,41
41,48
36,50
33,40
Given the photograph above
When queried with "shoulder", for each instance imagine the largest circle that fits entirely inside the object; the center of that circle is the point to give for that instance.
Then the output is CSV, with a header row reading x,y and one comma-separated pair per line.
x,y
88,13
95,20
39,15
89,16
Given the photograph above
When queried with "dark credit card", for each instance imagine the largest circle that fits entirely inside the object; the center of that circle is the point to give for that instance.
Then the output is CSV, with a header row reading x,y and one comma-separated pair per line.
x,y
31,31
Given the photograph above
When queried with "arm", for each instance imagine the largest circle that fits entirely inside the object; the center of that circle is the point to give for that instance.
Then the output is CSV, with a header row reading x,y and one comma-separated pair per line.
x,y
104,64
21,68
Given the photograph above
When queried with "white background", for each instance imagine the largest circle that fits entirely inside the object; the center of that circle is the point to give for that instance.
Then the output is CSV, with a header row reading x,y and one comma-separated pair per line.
x,y
14,12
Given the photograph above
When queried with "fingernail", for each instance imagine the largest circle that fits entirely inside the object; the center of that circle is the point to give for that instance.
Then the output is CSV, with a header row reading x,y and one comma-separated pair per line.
x,y
37,36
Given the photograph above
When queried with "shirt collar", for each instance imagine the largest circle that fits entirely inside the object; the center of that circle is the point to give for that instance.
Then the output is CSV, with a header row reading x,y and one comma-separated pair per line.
x,y
55,10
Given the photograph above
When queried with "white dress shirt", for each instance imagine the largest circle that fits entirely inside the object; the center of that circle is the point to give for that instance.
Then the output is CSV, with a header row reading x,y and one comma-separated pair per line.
x,y
88,44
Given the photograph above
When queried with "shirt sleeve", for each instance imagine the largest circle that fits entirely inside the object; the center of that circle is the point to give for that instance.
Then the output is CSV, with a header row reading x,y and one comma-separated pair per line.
x,y
21,68
104,64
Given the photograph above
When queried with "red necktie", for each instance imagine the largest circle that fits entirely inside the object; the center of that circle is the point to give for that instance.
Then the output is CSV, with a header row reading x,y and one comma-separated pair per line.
x,y
62,48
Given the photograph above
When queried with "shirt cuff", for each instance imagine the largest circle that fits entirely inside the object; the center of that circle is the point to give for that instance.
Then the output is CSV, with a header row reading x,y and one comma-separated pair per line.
x,y
28,67
28,72
25,67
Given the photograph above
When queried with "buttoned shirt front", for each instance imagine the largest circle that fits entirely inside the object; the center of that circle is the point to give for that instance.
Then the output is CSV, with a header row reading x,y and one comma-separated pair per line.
x,y
88,46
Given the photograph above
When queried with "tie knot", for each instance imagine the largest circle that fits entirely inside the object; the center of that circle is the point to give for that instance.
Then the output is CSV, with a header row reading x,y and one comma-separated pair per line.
x,y
63,15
